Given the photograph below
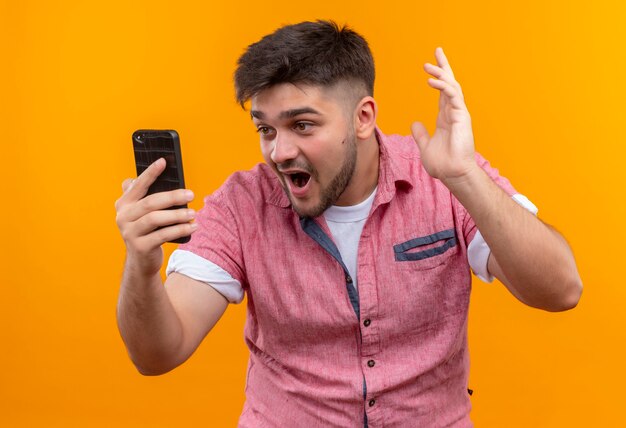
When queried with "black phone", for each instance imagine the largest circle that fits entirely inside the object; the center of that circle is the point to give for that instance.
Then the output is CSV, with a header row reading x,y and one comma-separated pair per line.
x,y
152,144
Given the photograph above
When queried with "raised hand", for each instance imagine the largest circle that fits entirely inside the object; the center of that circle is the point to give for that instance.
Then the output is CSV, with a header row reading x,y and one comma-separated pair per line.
x,y
449,154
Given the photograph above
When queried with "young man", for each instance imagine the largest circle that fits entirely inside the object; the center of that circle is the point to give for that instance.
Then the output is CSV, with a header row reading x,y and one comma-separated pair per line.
x,y
354,248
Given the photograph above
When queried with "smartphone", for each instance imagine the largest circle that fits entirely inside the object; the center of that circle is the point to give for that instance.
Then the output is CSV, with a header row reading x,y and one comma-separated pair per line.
x,y
152,144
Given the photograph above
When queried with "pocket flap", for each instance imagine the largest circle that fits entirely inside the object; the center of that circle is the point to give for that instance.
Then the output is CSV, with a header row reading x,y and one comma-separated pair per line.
x,y
401,250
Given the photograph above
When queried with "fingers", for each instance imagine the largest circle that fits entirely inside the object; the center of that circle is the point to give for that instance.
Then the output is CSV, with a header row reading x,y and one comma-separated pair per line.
x,y
126,184
146,243
138,221
145,222
454,95
442,60
156,202
441,74
137,189
444,79
420,135
155,219
155,228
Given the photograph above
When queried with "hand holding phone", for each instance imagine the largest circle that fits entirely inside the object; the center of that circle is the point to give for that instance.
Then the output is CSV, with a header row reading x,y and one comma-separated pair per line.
x,y
149,146
148,214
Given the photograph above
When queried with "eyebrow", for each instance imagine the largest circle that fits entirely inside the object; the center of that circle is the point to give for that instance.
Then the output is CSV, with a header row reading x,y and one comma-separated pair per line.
x,y
287,114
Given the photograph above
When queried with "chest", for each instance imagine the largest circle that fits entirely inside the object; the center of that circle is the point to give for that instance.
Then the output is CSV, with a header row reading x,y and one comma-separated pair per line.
x,y
411,265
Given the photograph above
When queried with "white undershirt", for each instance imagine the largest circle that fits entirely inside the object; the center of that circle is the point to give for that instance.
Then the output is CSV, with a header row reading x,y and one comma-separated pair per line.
x,y
346,225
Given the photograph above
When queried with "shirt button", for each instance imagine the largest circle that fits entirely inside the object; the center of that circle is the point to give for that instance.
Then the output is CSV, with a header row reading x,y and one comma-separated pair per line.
x,y
367,322
372,402
371,363
348,279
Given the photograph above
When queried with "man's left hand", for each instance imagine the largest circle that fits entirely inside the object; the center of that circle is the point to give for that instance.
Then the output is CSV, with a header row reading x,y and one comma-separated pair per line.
x,y
449,154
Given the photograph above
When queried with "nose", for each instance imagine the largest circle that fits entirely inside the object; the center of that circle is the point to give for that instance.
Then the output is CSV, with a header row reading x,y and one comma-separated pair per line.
x,y
284,149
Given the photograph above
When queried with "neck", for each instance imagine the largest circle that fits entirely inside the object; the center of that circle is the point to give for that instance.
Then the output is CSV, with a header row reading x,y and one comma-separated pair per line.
x,y
365,177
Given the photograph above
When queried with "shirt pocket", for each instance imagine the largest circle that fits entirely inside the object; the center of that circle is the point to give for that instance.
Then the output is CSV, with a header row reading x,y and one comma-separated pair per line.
x,y
428,251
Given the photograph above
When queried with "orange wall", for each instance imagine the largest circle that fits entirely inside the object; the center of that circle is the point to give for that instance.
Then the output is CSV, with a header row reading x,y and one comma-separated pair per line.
x,y
544,82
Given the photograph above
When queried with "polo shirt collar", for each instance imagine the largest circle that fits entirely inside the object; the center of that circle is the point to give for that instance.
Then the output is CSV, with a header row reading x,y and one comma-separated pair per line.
x,y
394,171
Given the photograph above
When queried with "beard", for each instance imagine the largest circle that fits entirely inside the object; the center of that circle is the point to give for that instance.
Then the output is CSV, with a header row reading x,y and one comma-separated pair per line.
x,y
332,192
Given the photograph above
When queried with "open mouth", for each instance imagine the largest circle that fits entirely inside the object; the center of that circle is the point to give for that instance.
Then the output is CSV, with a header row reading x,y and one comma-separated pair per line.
x,y
300,179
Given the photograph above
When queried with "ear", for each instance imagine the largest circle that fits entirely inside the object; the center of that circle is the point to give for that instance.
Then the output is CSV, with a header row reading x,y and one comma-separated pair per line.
x,y
365,118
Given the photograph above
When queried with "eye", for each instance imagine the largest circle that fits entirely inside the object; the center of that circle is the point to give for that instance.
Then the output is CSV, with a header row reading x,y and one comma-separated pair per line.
x,y
303,126
264,130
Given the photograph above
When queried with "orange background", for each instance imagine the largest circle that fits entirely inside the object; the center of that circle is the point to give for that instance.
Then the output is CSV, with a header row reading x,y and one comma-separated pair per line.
x,y
544,82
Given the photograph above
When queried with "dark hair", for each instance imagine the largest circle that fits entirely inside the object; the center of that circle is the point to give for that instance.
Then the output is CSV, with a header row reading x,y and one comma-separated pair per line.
x,y
319,53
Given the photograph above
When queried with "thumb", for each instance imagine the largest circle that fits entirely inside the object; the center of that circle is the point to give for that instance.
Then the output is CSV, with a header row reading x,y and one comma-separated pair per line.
x,y
420,135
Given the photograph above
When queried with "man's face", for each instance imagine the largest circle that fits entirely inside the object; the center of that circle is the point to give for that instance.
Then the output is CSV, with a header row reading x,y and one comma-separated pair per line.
x,y
307,137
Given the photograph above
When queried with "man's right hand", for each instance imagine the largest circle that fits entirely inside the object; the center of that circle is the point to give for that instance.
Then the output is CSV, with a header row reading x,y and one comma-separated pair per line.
x,y
139,216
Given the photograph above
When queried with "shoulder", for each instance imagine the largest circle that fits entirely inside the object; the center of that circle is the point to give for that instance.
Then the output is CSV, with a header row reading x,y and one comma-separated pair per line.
x,y
239,204
259,176
257,183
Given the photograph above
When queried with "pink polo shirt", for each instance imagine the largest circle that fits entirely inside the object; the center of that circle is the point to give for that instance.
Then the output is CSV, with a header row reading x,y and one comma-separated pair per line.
x,y
394,353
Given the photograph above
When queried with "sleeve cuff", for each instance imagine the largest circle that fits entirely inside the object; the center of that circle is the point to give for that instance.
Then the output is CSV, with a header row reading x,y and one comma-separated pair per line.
x,y
201,269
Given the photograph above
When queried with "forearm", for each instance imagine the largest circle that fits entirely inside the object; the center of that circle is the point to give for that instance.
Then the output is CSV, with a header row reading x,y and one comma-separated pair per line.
x,y
536,262
148,322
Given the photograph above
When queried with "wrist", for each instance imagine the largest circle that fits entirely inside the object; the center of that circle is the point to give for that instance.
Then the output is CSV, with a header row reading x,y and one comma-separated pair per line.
x,y
466,181
143,267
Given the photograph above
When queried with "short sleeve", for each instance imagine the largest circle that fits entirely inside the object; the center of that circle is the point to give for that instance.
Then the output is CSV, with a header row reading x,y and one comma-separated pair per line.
x,y
217,238
200,269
